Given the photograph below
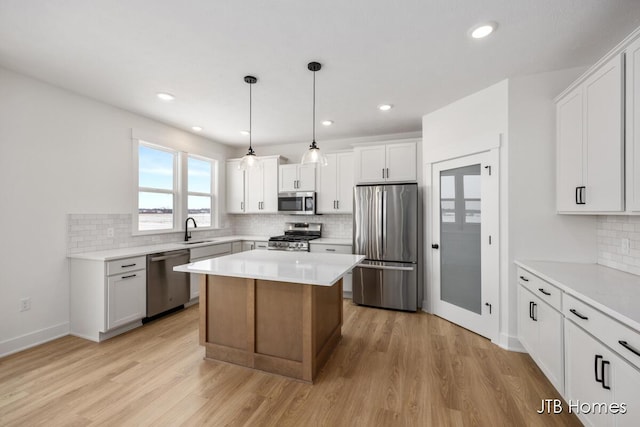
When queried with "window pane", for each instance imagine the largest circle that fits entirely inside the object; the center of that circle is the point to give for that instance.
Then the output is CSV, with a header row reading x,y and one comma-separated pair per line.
x,y
448,187
199,176
155,168
472,205
199,207
472,217
472,186
155,211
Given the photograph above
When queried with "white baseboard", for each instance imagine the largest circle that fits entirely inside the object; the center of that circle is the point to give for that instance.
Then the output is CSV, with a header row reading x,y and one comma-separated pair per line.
x,y
33,339
511,343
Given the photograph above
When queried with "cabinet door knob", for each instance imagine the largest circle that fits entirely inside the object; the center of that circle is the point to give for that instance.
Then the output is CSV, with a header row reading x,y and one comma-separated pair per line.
x,y
435,246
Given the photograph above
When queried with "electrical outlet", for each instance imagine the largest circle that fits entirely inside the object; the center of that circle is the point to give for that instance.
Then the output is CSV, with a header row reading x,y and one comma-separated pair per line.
x,y
624,246
25,304
110,232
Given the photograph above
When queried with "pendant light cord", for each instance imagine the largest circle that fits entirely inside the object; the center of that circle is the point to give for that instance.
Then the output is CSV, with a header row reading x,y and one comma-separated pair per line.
x,y
314,108
250,129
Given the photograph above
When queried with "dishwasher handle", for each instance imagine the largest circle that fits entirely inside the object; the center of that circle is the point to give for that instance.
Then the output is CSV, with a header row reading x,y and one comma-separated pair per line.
x,y
172,255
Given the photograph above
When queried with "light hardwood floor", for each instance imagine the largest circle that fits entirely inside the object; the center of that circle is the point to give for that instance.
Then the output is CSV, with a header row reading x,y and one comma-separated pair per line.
x,y
391,368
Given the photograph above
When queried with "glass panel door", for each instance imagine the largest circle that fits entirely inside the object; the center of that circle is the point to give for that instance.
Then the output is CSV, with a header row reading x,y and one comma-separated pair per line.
x,y
460,237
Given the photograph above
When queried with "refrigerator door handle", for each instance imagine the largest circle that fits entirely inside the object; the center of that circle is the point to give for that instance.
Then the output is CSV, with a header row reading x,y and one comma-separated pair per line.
x,y
383,250
386,267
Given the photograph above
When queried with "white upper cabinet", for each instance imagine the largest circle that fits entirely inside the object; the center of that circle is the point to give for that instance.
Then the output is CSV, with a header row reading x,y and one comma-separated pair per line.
x,y
298,177
633,126
254,190
590,144
335,184
235,187
386,163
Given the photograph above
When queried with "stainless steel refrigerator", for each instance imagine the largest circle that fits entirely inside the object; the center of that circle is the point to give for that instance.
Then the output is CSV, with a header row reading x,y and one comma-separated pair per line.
x,y
386,230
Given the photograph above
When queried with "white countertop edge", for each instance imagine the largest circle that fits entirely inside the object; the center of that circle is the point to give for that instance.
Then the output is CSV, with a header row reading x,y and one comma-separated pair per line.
x,y
587,299
113,254
193,268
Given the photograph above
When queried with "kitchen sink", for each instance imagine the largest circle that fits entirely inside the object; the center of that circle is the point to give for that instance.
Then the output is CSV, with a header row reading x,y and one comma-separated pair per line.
x,y
195,242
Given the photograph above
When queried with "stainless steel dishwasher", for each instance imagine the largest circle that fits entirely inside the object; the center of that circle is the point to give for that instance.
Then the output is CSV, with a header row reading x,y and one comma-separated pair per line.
x,y
166,289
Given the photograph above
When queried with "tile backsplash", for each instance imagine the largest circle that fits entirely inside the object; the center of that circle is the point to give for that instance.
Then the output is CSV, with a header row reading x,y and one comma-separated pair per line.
x,y
90,232
335,226
612,231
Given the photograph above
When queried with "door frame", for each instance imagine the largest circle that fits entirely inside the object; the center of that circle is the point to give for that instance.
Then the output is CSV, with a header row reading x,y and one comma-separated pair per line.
x,y
491,263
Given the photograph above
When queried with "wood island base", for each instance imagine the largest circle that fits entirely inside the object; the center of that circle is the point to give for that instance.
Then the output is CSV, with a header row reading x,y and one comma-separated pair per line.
x,y
289,329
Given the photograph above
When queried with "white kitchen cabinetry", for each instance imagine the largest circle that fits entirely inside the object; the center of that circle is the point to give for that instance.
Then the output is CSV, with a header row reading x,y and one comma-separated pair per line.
x,y
335,184
249,245
601,351
107,298
347,280
386,163
254,190
632,126
298,177
590,142
235,187
540,326
205,252
596,376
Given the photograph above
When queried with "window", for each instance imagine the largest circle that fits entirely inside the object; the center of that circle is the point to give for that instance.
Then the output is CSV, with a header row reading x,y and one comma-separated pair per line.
x,y
173,186
156,188
200,190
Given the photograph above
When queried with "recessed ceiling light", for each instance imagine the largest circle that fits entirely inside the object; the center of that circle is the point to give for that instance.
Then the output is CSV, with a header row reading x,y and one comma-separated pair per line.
x,y
165,96
245,132
327,122
385,107
483,30
196,128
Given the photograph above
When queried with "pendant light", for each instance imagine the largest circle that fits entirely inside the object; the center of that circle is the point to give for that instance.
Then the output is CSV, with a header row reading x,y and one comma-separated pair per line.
x,y
314,155
250,159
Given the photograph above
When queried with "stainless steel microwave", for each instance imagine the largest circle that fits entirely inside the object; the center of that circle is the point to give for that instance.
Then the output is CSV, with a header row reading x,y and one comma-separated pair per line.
x,y
297,203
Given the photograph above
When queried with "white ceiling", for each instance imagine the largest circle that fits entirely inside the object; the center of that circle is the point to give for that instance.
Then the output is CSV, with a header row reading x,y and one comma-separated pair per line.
x,y
414,54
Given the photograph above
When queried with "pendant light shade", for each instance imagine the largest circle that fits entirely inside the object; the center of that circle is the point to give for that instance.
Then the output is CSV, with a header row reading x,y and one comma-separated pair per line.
x,y
313,155
250,159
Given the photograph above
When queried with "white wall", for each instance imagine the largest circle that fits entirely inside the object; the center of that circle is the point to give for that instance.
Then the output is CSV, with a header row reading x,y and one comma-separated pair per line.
x,y
60,153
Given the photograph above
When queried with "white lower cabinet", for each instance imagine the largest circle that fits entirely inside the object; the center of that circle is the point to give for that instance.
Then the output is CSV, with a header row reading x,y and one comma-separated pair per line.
x,y
540,332
127,298
107,297
249,245
603,388
347,280
593,354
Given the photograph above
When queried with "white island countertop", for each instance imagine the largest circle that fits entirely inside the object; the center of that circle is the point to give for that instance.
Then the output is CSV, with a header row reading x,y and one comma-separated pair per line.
x,y
281,266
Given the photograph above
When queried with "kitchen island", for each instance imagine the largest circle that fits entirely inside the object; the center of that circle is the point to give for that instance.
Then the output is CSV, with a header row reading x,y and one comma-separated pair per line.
x,y
275,311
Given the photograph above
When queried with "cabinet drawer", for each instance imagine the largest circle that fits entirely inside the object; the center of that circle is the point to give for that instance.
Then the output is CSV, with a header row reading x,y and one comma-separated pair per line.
x,y
126,264
622,339
334,249
546,291
210,251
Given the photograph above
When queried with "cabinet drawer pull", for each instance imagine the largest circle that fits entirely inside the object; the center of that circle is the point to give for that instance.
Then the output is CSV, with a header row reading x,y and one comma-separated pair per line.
x,y
330,250
544,292
628,347
129,276
574,311
524,278
595,367
128,265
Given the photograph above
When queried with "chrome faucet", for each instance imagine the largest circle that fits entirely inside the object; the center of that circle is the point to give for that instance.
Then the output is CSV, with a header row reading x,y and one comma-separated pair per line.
x,y
187,235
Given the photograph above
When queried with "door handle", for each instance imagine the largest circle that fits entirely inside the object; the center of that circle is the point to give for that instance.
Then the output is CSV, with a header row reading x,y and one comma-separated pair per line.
x,y
533,311
524,278
604,382
574,311
387,173
337,204
577,191
544,292
488,305
435,246
628,347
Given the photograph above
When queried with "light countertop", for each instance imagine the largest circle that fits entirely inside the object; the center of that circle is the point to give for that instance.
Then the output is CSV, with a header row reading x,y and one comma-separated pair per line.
x,y
150,249
281,266
611,291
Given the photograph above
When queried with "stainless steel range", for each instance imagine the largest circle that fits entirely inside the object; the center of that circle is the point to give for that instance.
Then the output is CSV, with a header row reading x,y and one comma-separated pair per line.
x,y
296,237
